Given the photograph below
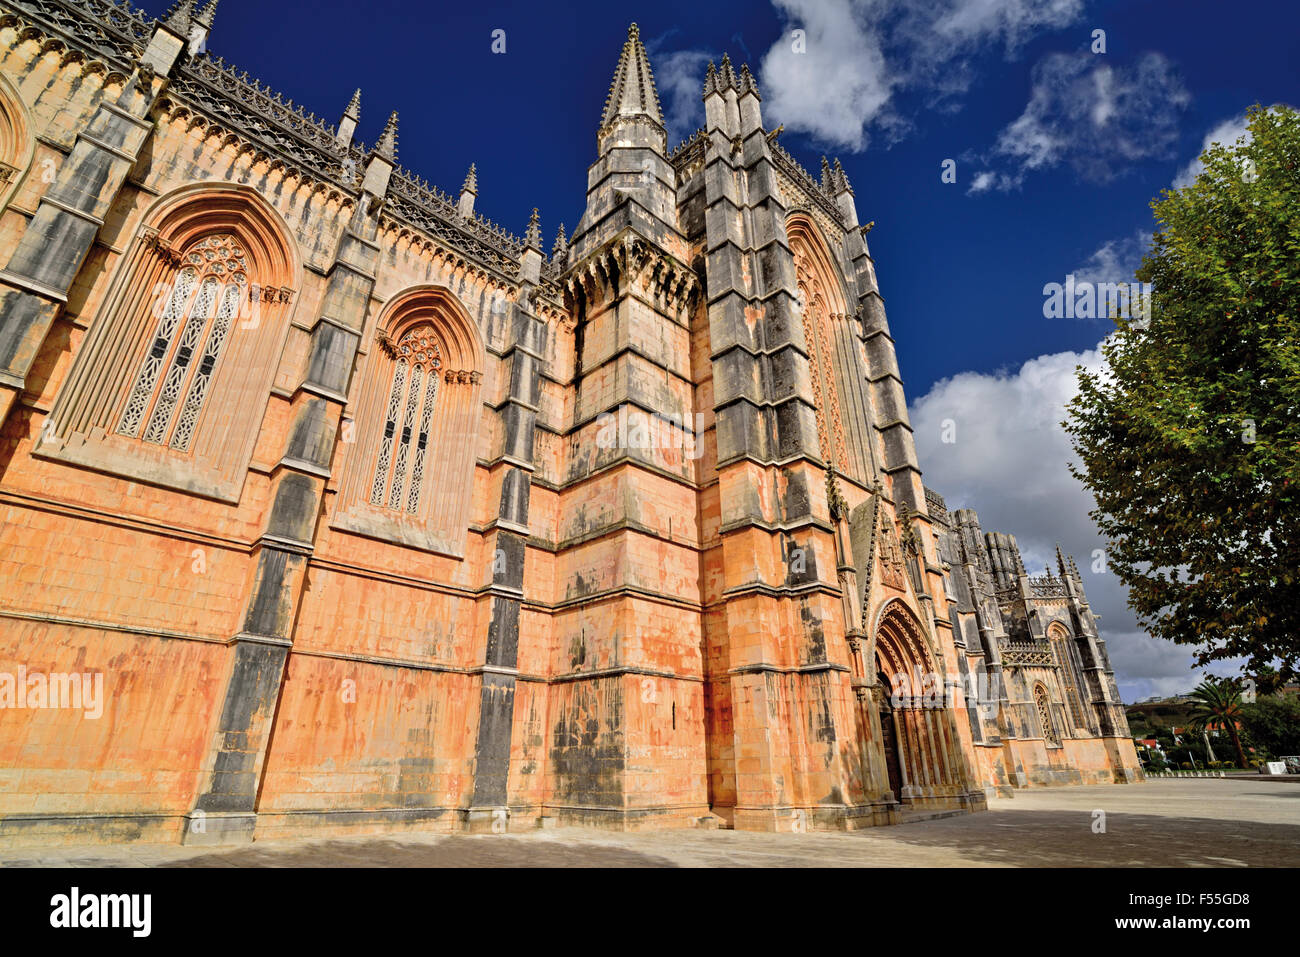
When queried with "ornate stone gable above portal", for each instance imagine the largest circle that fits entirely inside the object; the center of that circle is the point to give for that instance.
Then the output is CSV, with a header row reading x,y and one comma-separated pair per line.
x,y
891,558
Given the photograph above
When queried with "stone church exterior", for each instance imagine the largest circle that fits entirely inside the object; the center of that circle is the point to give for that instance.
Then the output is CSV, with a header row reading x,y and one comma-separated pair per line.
x,y
368,515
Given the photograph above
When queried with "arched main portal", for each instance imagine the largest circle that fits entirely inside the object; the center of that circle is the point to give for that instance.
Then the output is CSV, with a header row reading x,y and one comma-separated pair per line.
x,y
915,711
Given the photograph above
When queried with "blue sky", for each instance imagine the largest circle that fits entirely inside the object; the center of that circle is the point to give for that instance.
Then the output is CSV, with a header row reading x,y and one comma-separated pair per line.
x,y
1058,152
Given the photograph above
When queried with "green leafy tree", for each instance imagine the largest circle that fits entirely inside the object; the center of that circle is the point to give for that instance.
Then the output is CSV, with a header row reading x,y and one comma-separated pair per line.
x,y
1219,703
1272,724
1189,438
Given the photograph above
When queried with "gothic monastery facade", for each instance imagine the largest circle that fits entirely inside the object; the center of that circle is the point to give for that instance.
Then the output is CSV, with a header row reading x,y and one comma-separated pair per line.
x,y
367,515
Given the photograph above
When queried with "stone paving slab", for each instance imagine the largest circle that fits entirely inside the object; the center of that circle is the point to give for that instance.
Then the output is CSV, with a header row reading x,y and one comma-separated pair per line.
x,y
1162,823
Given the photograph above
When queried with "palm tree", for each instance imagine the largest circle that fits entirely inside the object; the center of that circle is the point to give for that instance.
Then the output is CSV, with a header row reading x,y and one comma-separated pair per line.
x,y
1218,702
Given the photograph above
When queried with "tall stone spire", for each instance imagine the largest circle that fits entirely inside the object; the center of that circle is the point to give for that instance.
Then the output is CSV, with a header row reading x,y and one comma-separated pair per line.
x,y
721,103
530,263
632,117
840,178
842,193
727,80
354,106
747,101
631,176
710,80
380,163
633,91
747,83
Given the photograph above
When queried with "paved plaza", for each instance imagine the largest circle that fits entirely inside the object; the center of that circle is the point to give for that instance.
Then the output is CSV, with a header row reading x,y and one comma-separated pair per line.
x,y
1161,823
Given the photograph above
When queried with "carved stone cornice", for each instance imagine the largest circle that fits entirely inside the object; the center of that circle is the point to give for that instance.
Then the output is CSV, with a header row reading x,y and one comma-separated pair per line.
x,y
165,252
275,294
656,274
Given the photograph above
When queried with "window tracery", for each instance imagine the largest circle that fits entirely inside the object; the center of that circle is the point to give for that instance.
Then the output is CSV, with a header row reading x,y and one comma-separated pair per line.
x,y
187,344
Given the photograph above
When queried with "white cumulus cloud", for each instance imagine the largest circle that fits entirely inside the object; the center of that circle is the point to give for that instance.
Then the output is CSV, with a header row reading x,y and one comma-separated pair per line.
x,y
838,78
832,81
1092,115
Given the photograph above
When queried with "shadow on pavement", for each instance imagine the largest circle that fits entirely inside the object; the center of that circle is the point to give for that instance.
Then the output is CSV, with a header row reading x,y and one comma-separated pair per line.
x,y
1066,839
452,851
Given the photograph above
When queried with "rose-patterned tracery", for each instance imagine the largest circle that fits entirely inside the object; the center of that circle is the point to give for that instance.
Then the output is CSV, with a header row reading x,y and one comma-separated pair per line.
x,y
399,468
191,333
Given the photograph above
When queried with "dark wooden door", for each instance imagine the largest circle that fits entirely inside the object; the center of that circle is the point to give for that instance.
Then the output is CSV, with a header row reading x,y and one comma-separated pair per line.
x,y
890,744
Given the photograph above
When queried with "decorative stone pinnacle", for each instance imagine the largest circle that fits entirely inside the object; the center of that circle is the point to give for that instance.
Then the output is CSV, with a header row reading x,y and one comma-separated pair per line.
x,y
387,145
471,181
179,16
561,247
354,106
711,80
632,93
728,78
208,13
747,82
533,236
841,179
826,175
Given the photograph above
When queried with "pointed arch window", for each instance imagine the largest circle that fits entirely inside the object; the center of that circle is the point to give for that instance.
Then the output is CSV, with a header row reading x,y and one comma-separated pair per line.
x,y
1071,675
1045,715
194,324
835,365
415,412
403,447
171,384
